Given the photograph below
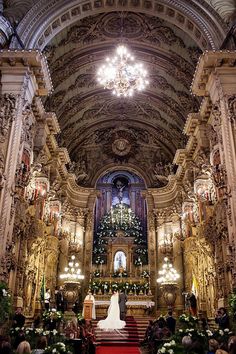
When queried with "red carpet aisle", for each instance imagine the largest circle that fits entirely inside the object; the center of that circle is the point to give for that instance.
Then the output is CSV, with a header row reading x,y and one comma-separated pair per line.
x,y
117,350
125,341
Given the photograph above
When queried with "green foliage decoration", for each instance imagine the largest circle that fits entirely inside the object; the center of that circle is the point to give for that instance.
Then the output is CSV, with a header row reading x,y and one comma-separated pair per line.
x,y
5,303
120,218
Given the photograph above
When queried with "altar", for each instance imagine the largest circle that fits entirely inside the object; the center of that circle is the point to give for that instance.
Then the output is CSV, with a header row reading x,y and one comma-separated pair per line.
x,y
136,305
120,251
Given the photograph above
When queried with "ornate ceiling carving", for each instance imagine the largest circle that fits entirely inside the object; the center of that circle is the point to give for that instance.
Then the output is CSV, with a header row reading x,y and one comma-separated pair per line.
x,y
97,129
199,19
101,130
17,9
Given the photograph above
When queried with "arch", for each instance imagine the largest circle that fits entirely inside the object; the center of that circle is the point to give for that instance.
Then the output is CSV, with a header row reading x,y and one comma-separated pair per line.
x,y
109,178
120,260
116,169
47,18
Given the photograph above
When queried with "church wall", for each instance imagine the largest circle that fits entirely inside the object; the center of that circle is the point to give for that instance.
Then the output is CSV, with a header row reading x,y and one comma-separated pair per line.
x,y
191,220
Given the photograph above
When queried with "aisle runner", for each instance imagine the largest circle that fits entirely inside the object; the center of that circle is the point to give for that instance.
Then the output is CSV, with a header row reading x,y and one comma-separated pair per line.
x,y
126,337
117,350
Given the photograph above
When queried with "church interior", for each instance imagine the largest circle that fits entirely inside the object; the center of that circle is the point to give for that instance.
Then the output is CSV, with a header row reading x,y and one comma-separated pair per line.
x,y
118,182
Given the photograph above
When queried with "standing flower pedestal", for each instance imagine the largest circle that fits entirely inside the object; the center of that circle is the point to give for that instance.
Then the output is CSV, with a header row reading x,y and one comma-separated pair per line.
x,y
71,292
169,292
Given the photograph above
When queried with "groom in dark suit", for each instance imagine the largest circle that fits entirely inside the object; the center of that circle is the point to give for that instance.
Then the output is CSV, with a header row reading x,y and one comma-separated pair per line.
x,y
122,304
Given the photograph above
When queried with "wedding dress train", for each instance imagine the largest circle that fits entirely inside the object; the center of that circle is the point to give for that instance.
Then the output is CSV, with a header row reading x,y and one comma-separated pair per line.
x,y
113,316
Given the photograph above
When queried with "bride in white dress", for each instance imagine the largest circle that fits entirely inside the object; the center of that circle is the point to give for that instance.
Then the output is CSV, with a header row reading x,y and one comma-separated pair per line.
x,y
113,320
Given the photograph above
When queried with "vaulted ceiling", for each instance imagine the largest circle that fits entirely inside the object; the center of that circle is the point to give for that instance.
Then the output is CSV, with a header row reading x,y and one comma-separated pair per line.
x,y
99,130
148,127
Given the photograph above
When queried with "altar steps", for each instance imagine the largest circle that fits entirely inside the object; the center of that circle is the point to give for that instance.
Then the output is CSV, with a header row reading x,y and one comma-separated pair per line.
x,y
131,335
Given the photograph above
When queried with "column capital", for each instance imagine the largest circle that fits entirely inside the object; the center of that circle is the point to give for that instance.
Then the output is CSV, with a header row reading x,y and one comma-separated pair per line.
x,y
221,63
17,63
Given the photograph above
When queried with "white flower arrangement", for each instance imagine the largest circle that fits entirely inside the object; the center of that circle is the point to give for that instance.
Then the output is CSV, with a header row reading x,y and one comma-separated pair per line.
x,y
56,348
187,318
167,347
209,333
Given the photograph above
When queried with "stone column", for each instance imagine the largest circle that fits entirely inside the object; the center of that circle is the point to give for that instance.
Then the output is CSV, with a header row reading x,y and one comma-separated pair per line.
x,y
152,244
88,237
160,231
178,260
215,76
23,74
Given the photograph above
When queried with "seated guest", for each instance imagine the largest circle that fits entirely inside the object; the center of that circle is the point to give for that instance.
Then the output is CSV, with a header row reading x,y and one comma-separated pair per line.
x,y
187,343
90,337
41,345
163,332
71,330
222,318
171,322
197,347
232,345
213,346
18,318
37,320
148,332
20,337
23,348
203,322
5,346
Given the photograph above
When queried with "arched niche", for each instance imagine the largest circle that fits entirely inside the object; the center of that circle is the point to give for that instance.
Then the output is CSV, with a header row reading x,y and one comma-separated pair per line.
x,y
120,222
120,260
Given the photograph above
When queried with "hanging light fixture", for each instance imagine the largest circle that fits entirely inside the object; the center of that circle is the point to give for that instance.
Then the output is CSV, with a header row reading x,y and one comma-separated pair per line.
x,y
72,272
122,74
168,275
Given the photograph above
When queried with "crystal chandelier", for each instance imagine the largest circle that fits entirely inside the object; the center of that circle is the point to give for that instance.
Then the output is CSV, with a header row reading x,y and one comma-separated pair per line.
x,y
168,275
72,272
121,74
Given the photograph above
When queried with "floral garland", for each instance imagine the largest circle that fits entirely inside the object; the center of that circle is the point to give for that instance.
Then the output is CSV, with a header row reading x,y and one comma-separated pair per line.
x,y
32,331
105,286
5,303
